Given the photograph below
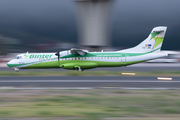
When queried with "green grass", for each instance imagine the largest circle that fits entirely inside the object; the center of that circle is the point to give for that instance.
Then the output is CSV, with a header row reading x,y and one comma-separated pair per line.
x,y
86,73
83,104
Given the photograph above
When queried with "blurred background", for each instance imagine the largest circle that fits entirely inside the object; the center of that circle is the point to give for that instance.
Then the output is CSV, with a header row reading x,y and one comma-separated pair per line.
x,y
45,26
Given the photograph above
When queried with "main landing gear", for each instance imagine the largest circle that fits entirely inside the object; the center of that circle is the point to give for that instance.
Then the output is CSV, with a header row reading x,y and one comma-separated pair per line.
x,y
78,69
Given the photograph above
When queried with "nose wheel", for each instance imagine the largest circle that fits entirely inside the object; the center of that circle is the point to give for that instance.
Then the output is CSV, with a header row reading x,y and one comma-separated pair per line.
x,y
16,69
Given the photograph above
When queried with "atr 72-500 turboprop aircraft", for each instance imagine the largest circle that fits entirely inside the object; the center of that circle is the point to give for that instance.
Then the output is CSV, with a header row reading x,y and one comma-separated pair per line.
x,y
79,59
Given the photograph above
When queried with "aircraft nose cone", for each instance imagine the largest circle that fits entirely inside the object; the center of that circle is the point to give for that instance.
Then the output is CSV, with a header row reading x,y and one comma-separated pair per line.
x,y
9,64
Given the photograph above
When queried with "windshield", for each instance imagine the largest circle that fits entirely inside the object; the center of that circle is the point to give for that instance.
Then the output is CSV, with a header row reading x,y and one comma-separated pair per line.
x,y
18,57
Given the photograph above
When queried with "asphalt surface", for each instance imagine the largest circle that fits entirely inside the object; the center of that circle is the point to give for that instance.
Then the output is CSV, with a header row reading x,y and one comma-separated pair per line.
x,y
76,81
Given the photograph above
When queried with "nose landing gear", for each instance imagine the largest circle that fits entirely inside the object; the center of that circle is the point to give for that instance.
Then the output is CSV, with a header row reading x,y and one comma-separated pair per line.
x,y
16,69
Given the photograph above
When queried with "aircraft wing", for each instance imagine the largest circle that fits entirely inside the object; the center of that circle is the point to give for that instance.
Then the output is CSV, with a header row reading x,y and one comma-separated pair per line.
x,y
79,51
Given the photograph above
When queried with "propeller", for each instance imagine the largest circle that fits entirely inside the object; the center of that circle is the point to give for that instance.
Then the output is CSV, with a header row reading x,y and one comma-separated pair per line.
x,y
57,54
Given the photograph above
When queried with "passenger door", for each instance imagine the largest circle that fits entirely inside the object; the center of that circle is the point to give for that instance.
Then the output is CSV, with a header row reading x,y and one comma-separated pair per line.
x,y
123,58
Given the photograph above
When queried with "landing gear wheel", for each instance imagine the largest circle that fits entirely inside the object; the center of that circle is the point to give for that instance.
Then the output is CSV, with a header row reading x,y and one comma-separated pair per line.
x,y
78,69
16,69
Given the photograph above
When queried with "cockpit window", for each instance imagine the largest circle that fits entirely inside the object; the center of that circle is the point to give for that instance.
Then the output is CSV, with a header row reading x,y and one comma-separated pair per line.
x,y
18,57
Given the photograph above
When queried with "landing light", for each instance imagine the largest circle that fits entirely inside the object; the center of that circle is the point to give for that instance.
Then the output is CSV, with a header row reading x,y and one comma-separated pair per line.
x,y
128,73
163,78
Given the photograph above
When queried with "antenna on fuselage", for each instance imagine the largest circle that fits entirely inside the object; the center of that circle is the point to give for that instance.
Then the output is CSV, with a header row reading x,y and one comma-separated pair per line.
x,y
27,52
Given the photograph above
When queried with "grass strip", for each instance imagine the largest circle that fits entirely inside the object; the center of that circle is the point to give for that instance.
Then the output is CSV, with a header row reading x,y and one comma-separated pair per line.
x,y
87,105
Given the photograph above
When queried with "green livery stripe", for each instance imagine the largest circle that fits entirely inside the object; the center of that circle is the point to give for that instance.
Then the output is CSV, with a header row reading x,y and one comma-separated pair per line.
x,y
18,65
15,65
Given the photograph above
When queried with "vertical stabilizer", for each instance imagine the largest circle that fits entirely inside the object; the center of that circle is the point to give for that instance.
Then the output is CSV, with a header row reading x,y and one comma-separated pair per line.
x,y
152,43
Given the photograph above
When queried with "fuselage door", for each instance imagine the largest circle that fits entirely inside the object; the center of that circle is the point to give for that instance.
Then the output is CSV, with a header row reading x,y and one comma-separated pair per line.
x,y
123,58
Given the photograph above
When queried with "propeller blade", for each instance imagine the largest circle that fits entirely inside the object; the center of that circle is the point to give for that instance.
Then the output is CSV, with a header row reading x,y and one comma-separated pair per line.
x,y
57,54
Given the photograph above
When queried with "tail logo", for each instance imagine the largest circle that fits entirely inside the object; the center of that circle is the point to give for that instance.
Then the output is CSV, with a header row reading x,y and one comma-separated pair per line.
x,y
153,34
158,40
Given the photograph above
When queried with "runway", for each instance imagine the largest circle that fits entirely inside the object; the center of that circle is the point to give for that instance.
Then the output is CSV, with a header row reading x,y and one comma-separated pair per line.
x,y
76,81
96,82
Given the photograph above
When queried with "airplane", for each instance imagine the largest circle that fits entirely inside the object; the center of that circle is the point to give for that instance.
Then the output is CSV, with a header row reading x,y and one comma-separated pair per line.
x,y
80,59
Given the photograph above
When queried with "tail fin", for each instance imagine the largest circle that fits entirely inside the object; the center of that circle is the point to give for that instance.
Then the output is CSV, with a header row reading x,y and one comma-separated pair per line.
x,y
152,43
